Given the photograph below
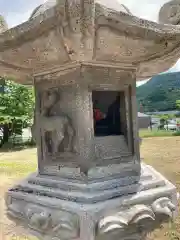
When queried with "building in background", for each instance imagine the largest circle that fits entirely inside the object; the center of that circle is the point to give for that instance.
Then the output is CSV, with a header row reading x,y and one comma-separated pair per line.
x,y
144,120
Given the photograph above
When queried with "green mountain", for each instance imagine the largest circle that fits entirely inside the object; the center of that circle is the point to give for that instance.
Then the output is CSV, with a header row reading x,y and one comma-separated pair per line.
x,y
160,93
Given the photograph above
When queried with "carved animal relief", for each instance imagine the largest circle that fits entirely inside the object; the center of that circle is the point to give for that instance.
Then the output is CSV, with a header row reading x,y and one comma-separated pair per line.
x,y
57,131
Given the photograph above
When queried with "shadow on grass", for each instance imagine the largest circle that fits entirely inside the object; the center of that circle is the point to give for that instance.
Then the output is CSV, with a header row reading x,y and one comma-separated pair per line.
x,y
10,147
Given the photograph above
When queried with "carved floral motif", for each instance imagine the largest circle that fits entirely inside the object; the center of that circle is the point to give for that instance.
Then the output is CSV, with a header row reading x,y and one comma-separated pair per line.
x,y
39,220
63,224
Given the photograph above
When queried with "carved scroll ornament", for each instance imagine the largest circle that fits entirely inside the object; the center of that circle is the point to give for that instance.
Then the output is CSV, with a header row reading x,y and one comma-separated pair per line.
x,y
138,215
120,221
164,206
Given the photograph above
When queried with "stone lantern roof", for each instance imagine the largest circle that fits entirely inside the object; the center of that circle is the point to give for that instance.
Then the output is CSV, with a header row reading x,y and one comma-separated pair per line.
x,y
42,8
70,35
51,3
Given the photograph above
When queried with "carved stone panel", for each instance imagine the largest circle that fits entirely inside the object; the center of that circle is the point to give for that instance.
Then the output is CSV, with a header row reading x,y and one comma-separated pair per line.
x,y
57,130
43,221
111,147
65,124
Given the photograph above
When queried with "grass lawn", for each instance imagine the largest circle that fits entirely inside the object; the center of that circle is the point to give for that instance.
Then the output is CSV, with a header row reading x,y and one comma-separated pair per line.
x,y
145,133
162,153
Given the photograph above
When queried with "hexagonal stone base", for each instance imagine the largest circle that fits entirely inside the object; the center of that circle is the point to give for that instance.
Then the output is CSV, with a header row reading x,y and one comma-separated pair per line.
x,y
54,208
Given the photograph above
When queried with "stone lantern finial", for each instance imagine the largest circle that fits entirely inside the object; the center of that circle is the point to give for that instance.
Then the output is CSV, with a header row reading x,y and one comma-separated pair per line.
x,y
170,13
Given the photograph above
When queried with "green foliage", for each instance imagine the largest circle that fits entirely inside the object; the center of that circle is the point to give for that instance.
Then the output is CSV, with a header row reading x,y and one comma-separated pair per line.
x,y
146,133
178,104
16,167
160,93
3,24
165,117
155,133
177,133
16,104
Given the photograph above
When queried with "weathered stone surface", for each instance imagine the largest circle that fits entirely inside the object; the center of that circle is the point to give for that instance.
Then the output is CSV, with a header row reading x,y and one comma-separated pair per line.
x,y
170,13
64,32
88,187
67,210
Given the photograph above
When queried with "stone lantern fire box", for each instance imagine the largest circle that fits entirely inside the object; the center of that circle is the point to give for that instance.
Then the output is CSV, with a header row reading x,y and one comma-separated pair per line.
x,y
90,183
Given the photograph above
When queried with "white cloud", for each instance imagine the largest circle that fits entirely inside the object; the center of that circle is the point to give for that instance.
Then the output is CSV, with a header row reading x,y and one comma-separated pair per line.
x,y
139,83
15,18
147,9
176,67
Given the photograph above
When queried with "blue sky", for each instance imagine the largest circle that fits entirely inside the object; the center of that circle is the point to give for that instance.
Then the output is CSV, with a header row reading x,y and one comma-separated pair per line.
x,y
18,11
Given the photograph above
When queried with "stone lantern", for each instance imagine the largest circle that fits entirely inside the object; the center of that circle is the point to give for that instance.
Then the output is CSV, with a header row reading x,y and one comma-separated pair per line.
x,y
91,184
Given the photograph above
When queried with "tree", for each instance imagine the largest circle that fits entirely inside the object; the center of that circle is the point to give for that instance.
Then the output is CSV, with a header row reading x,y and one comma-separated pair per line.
x,y
178,104
164,119
3,24
16,108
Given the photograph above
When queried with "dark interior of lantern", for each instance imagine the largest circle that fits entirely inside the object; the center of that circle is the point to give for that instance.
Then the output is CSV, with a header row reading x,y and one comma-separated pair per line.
x,y
109,113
